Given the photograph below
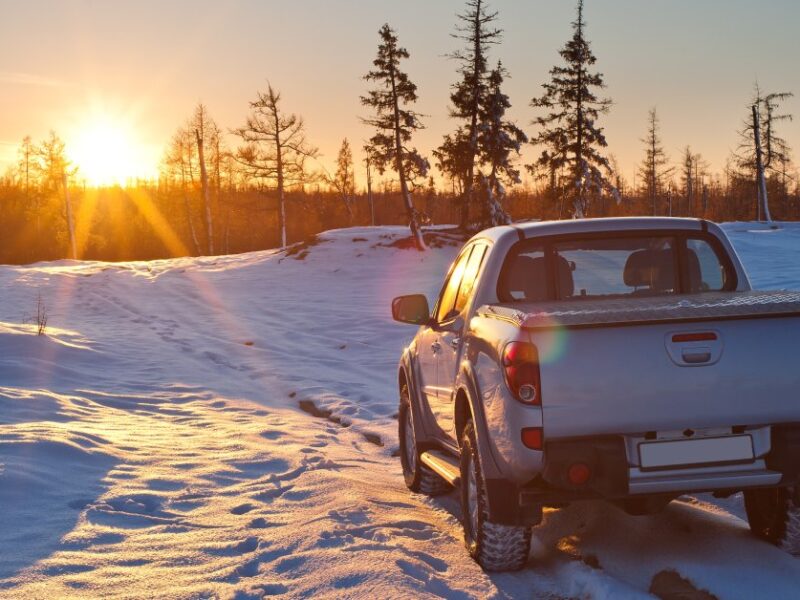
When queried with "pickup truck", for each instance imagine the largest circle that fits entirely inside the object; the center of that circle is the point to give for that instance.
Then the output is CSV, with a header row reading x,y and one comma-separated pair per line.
x,y
625,360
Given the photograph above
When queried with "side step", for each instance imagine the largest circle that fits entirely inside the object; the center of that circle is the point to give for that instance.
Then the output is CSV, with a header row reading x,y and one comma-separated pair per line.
x,y
444,465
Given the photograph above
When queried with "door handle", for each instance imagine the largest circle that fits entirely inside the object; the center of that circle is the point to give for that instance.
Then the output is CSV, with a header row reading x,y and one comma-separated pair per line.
x,y
436,346
696,357
454,343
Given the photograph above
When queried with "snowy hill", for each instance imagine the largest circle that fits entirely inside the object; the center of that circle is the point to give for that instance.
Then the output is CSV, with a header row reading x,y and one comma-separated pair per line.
x,y
224,427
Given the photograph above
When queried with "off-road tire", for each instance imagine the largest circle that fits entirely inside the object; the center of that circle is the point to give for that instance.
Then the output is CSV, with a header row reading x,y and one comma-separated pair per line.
x,y
774,516
494,547
418,477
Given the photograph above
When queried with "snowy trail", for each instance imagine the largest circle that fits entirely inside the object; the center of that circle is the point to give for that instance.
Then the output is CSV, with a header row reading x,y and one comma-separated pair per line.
x,y
151,446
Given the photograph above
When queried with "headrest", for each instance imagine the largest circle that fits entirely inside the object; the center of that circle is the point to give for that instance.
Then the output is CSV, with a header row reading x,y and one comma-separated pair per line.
x,y
566,284
527,275
694,272
654,269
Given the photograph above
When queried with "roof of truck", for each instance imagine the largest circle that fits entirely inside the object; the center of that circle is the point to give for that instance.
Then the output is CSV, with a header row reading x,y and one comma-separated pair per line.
x,y
529,229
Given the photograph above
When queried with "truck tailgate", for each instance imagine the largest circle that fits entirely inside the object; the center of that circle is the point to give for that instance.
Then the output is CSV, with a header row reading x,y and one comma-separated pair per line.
x,y
668,364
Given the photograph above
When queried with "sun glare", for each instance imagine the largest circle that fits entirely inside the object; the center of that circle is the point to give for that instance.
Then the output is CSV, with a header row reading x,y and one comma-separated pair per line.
x,y
107,153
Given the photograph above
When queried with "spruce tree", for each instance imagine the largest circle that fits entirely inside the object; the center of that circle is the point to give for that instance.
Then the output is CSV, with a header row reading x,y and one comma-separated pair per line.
x,y
395,123
459,152
653,169
498,141
570,135
344,180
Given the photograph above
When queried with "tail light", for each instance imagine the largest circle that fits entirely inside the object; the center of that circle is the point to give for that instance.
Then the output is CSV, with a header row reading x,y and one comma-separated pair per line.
x,y
521,367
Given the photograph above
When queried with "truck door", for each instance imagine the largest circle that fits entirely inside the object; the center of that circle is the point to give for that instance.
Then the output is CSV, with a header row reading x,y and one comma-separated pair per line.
x,y
430,342
452,328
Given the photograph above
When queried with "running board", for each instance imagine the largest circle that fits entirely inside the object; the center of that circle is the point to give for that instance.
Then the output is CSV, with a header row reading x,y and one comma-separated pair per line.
x,y
444,465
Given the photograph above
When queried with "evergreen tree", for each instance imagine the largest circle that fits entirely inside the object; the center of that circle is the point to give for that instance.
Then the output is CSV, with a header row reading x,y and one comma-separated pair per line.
x,y
653,169
344,180
498,141
687,178
459,152
570,134
395,123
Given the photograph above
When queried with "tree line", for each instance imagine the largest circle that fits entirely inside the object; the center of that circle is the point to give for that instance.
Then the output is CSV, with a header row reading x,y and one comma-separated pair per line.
x,y
268,188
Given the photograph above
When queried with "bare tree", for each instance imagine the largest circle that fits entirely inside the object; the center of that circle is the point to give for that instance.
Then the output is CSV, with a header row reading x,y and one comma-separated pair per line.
x,y
394,123
761,149
275,148
205,132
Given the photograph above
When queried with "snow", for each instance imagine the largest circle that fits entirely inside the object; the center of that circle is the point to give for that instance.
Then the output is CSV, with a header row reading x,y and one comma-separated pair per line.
x,y
152,445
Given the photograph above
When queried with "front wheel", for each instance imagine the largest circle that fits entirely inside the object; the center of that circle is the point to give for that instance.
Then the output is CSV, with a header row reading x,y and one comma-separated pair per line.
x,y
774,516
495,547
418,477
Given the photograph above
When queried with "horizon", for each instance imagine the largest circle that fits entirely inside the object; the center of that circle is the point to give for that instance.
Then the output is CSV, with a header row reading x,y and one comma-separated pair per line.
x,y
130,88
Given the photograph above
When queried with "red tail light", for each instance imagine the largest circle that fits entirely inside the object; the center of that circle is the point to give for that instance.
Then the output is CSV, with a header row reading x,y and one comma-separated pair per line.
x,y
521,366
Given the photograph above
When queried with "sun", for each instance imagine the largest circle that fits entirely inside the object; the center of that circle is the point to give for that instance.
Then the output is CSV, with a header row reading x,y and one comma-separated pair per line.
x,y
107,152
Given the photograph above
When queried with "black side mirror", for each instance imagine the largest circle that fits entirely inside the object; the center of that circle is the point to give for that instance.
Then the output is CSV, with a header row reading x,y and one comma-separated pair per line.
x,y
411,309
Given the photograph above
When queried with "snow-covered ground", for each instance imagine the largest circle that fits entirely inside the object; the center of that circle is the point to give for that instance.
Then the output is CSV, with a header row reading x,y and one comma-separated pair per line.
x,y
152,444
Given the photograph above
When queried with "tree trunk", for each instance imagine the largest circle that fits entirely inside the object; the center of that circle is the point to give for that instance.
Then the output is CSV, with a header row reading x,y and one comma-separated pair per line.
x,y
401,171
369,195
473,126
206,193
279,166
761,179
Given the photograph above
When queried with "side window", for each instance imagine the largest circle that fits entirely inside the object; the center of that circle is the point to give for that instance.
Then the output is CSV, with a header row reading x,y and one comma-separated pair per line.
x,y
447,300
470,275
706,273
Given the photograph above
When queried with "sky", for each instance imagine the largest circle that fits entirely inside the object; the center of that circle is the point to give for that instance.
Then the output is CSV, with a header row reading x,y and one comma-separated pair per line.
x,y
81,67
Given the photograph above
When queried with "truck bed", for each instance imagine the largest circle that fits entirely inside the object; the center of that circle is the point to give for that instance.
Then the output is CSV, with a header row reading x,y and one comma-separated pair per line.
x,y
607,312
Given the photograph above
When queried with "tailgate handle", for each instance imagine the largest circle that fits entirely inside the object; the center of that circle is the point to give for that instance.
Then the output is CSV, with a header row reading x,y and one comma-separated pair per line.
x,y
696,356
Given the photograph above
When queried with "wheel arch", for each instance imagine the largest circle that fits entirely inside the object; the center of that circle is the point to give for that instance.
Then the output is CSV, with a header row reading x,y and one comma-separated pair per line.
x,y
467,408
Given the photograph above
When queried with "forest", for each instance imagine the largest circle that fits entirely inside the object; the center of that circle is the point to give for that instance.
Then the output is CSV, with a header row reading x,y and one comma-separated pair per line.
x,y
258,184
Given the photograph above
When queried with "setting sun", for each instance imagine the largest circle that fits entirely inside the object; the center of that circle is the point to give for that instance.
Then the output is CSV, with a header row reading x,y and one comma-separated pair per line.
x,y
107,152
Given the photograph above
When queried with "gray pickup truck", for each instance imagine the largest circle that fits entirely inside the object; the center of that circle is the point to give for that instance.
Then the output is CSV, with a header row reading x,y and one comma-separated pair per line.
x,y
626,360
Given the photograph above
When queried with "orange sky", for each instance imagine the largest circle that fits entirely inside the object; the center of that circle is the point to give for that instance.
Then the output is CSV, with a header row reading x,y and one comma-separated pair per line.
x,y
74,65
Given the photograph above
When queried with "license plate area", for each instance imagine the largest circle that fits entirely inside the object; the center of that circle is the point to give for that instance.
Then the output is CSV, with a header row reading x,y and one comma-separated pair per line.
x,y
696,452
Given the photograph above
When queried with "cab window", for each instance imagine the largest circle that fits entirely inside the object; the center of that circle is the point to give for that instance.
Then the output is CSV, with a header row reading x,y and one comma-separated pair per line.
x,y
447,300
470,275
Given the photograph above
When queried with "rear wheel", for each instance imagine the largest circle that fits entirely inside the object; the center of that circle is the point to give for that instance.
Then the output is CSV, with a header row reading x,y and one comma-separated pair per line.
x,y
495,547
418,477
774,516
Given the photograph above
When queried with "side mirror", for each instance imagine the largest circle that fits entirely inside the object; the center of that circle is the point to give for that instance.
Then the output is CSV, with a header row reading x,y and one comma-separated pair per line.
x,y
411,309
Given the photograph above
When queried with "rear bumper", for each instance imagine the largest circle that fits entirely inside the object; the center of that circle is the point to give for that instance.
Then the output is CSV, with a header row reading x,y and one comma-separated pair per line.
x,y
614,478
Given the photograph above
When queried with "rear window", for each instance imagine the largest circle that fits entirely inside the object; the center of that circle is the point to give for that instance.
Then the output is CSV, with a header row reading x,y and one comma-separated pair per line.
x,y
618,267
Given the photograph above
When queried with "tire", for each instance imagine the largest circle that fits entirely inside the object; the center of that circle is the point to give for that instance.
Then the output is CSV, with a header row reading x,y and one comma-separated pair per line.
x,y
419,478
774,516
494,547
